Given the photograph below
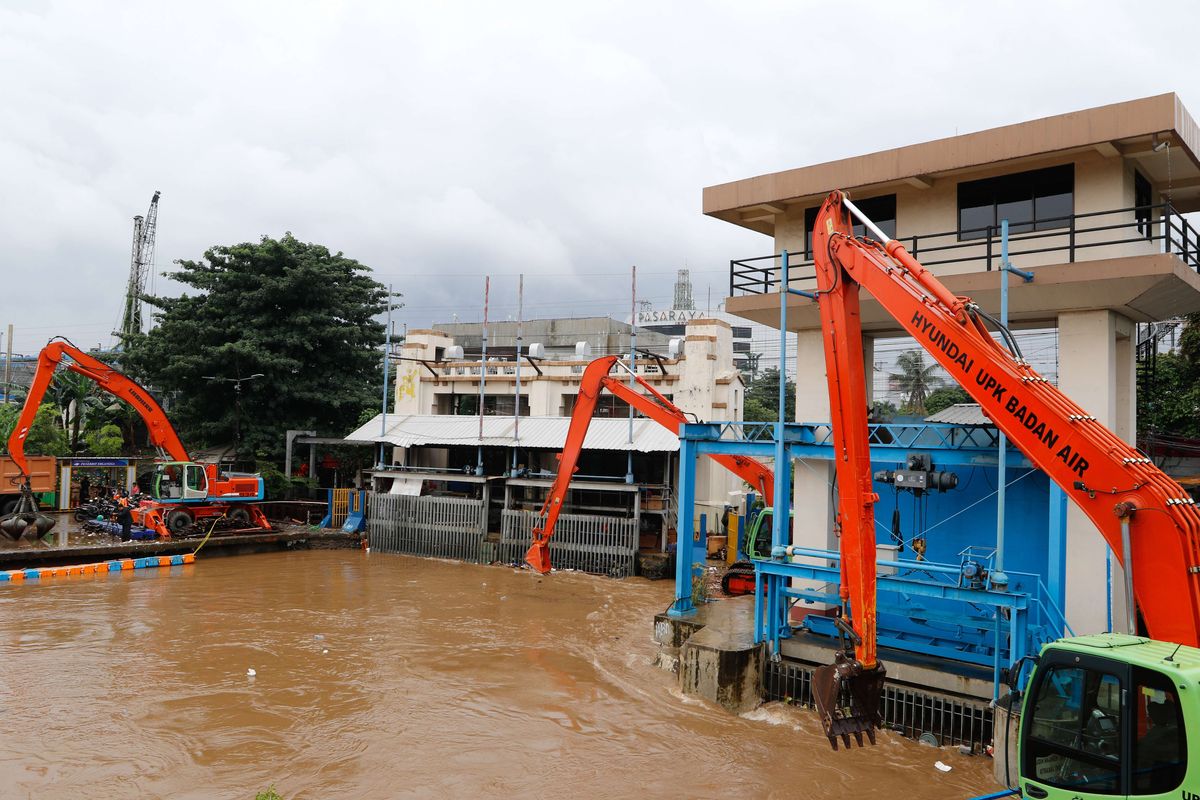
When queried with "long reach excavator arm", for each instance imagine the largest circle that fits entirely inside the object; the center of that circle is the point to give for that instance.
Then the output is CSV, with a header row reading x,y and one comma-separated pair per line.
x,y
1114,484
653,404
162,434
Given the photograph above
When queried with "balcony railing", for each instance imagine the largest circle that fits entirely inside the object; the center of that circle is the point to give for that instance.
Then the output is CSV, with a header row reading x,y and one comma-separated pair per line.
x,y
1136,230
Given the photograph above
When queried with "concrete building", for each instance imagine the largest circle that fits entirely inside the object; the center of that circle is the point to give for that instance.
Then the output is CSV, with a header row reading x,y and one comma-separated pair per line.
x,y
558,337
435,426
1096,200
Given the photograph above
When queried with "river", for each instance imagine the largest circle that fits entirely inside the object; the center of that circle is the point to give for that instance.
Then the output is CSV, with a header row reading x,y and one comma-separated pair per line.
x,y
380,676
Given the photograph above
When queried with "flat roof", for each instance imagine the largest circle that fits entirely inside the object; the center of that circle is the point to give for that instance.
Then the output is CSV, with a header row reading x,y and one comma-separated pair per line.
x,y
1123,129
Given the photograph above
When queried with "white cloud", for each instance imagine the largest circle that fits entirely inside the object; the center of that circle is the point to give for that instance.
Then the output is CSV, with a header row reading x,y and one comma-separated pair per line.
x,y
441,141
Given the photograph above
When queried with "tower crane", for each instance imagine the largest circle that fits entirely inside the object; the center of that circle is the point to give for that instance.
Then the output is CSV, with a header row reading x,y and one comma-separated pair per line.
x,y
140,263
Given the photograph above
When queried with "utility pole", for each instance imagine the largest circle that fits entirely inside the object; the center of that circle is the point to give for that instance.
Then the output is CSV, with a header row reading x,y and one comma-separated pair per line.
x,y
8,361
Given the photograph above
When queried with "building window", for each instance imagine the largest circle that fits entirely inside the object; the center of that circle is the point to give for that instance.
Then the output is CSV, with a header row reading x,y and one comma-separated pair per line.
x,y
741,347
1142,200
880,210
741,333
1038,200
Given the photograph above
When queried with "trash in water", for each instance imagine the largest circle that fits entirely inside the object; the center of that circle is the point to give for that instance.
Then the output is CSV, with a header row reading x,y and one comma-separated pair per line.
x,y
318,636
250,673
942,767
928,739
326,650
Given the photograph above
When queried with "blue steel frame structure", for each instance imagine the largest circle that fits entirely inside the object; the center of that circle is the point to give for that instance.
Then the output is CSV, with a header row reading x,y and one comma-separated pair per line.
x,y
1026,618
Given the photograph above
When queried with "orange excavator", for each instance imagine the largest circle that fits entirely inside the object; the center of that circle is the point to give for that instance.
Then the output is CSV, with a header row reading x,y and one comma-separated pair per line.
x,y
653,404
1151,524
182,491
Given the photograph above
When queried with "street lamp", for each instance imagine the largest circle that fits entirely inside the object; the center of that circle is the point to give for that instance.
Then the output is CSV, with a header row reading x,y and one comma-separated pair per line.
x,y
237,407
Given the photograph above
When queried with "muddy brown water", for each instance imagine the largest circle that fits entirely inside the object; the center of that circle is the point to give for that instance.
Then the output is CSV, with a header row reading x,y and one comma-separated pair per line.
x,y
381,676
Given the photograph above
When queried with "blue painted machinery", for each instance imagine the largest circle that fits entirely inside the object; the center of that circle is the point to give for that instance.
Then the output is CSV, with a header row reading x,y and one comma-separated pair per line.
x,y
942,597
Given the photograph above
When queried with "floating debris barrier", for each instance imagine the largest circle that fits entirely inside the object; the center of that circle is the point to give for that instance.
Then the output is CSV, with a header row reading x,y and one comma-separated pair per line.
x,y
97,568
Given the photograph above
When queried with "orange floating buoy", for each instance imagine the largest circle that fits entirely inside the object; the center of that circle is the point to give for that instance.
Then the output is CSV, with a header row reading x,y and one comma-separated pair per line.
x,y
17,576
189,558
126,563
164,561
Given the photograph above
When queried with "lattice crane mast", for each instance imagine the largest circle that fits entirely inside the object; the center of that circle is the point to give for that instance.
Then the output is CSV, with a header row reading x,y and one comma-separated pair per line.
x,y
141,261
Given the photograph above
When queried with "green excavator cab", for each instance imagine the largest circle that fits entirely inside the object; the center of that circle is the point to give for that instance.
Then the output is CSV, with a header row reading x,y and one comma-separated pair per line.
x,y
1108,716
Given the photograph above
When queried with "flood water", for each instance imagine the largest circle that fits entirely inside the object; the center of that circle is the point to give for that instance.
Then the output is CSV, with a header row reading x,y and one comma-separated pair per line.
x,y
381,676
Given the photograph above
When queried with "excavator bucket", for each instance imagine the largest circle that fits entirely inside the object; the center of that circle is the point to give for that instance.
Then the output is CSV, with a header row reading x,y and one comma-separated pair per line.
x,y
538,555
847,698
26,520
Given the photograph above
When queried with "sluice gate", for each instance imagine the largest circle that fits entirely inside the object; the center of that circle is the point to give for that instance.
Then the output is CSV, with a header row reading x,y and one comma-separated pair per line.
x,y
589,543
910,712
433,527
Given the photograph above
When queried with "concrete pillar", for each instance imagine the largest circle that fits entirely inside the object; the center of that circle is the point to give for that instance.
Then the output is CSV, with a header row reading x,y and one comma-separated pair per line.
x,y
1095,369
811,502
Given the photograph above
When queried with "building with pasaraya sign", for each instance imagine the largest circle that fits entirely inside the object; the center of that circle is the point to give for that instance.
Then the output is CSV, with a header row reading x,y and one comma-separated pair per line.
x,y
755,346
1096,202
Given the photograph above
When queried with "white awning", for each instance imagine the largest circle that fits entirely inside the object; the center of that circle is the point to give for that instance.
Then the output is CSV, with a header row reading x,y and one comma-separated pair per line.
x,y
548,433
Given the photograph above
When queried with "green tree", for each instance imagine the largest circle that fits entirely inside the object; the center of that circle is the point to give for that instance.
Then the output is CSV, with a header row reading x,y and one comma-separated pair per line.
x,y
882,411
75,396
106,441
916,379
944,397
46,436
296,313
762,398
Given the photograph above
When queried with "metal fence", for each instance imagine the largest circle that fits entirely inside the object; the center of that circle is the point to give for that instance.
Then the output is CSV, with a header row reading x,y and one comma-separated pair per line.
x,y
434,527
596,544
910,712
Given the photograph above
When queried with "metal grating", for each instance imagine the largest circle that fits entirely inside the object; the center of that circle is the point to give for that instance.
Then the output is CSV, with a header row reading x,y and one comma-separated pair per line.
x,y
434,527
596,544
910,712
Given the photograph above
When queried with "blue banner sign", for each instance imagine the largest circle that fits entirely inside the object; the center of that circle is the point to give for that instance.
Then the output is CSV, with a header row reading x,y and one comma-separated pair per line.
x,y
100,462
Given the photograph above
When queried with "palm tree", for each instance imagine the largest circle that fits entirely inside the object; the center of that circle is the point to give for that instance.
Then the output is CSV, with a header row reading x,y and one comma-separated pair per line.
x,y
916,379
71,391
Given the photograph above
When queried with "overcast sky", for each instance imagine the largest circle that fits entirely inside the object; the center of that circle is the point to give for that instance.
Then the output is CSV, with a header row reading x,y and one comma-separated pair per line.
x,y
437,142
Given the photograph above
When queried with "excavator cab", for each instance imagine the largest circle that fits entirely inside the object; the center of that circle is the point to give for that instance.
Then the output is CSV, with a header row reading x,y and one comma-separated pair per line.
x,y
180,481
1106,716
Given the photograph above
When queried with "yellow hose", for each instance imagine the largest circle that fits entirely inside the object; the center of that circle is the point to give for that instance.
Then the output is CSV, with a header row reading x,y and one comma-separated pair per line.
x,y
210,530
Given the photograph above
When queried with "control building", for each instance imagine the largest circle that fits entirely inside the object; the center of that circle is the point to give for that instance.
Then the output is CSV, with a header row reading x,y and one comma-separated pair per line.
x,y
1096,202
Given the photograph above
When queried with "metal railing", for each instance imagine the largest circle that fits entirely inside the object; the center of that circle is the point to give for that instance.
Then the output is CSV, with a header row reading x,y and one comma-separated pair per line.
x,y
1075,237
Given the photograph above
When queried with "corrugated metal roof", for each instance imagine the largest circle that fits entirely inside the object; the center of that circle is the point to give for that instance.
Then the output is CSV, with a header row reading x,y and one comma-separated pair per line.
x,y
540,432
961,414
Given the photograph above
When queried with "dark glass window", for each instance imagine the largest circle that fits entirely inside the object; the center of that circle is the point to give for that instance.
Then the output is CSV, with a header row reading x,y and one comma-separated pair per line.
x,y
1074,735
880,210
1041,199
741,347
1160,746
741,333
1142,199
